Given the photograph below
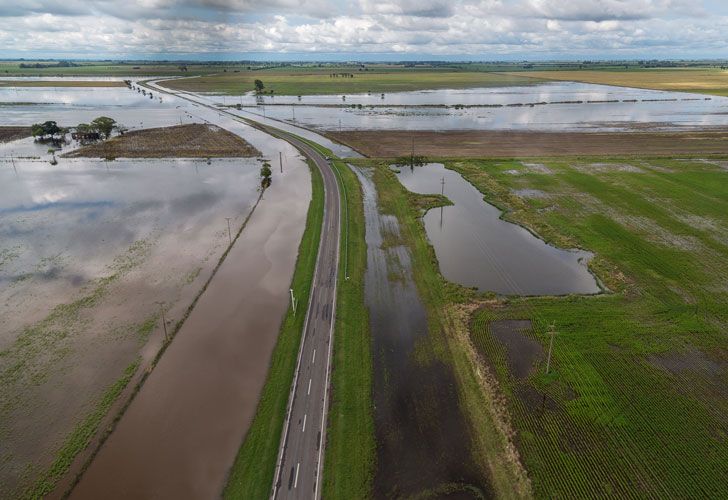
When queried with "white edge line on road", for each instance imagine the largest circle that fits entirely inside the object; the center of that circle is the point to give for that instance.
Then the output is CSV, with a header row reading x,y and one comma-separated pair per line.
x,y
316,491
152,83
287,425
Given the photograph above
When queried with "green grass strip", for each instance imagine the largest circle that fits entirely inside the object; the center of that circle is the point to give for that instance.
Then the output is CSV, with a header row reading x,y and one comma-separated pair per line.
x,y
350,446
252,472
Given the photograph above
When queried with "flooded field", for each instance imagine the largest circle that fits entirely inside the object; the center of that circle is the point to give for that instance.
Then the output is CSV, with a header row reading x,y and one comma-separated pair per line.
x,y
181,433
423,444
89,252
559,106
476,248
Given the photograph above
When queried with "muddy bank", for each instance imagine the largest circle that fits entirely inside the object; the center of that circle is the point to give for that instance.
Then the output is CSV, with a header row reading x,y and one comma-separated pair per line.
x,y
516,143
423,443
194,140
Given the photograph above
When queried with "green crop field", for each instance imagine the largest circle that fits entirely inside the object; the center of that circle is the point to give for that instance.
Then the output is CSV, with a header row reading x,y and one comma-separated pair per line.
x,y
635,404
302,81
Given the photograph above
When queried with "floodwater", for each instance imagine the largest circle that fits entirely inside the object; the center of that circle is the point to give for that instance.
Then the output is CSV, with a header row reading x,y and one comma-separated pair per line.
x,y
558,106
213,100
422,437
65,229
476,248
70,106
182,431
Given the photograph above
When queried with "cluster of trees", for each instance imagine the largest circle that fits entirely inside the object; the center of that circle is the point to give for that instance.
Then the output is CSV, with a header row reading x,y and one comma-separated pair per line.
x,y
59,64
102,126
265,175
410,161
342,75
47,130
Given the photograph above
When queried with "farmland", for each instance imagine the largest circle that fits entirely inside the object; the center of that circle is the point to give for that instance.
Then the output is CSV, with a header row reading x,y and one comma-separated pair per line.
x,y
635,403
320,81
182,141
699,80
8,134
500,144
443,352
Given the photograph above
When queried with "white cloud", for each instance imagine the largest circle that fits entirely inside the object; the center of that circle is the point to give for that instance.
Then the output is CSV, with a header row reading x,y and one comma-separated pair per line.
x,y
492,28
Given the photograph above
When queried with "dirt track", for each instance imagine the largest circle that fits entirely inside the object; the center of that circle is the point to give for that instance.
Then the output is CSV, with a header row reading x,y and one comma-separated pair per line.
x,y
509,143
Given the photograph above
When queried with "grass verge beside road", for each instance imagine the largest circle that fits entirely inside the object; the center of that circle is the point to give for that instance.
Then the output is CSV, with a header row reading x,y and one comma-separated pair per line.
x,y
251,475
350,447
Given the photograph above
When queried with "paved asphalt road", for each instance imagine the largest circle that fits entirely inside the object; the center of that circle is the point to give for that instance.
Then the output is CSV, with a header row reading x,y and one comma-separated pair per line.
x,y
300,458
301,453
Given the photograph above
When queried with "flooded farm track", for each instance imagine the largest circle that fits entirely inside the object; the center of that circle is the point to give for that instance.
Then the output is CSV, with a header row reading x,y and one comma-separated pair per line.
x,y
423,439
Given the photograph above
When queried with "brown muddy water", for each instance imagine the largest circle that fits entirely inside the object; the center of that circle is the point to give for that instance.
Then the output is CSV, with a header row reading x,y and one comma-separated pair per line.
x,y
180,435
423,441
88,248
476,248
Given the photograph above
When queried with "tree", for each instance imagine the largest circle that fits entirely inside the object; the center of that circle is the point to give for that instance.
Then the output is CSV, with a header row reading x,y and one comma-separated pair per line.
x,y
49,128
259,86
104,125
36,130
265,173
410,161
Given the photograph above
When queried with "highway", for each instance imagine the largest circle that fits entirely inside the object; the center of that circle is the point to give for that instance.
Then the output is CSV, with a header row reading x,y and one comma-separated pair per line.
x,y
300,457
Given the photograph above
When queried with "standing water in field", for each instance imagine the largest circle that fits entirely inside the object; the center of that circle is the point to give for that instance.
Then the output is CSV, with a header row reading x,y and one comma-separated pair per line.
x,y
476,248
423,444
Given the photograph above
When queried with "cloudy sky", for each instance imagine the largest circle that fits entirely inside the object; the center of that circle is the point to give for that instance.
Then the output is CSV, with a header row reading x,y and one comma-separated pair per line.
x,y
365,29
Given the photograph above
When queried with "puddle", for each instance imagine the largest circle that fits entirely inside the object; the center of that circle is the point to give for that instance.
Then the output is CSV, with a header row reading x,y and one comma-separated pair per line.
x,y
422,437
521,351
476,248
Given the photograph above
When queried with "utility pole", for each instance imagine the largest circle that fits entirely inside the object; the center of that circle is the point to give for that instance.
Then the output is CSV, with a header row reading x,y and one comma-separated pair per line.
x,y
442,189
551,346
230,236
164,321
293,302
412,158
280,160
293,110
